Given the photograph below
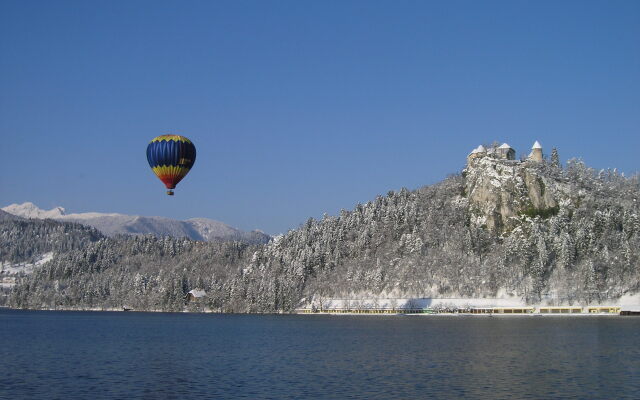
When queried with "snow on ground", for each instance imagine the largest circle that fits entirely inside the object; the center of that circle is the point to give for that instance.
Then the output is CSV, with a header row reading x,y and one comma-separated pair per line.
x,y
91,215
8,271
630,302
411,303
17,268
395,301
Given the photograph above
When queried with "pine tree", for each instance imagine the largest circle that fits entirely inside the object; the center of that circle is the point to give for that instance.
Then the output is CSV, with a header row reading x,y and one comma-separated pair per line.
x,y
555,159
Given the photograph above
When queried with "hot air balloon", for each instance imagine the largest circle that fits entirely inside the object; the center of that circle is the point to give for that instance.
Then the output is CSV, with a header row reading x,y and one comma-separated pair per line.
x,y
171,157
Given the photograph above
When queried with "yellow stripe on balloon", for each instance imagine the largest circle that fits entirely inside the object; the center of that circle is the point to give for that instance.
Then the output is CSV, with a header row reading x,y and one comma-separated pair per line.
x,y
168,138
170,170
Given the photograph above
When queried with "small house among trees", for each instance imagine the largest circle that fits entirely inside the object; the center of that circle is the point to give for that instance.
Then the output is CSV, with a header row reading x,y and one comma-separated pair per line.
x,y
195,295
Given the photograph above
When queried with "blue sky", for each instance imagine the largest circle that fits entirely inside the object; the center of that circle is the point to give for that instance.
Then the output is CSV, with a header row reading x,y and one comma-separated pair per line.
x,y
299,108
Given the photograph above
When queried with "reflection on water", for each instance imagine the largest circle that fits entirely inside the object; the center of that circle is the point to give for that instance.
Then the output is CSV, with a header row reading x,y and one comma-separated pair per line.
x,y
152,355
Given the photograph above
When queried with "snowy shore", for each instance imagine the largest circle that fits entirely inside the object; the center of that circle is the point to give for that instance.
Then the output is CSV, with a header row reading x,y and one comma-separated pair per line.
x,y
333,314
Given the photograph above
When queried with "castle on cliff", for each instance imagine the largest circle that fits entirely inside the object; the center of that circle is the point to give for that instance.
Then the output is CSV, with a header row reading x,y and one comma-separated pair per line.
x,y
504,152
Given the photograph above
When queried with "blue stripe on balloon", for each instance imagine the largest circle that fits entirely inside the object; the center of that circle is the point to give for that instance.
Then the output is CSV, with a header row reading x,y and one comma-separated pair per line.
x,y
170,153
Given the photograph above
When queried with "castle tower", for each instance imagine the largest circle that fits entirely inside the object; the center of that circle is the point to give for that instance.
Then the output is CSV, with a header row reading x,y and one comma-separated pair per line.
x,y
476,153
506,152
536,152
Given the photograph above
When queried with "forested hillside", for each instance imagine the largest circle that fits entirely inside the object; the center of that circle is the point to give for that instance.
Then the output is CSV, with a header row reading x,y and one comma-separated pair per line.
x,y
25,240
144,272
533,230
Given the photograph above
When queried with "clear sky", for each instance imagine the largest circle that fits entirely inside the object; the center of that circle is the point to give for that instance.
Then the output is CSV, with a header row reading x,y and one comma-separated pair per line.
x,y
301,107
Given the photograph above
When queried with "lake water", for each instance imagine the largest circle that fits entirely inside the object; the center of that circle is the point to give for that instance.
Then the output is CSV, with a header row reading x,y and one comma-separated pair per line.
x,y
111,355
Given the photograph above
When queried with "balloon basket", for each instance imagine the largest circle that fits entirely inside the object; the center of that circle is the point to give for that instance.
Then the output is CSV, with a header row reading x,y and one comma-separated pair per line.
x,y
170,192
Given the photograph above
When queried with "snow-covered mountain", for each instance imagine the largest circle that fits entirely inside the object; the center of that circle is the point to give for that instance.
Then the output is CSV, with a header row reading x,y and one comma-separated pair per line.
x,y
113,224
30,210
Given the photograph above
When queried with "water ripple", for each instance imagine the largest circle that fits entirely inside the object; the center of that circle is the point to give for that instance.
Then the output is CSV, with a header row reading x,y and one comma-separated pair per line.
x,y
76,355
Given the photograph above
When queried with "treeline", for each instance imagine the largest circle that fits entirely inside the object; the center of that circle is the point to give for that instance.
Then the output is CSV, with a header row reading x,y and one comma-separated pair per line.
x,y
408,243
25,240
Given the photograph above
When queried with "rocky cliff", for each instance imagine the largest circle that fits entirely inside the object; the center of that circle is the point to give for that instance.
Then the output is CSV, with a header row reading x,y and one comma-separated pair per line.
x,y
501,192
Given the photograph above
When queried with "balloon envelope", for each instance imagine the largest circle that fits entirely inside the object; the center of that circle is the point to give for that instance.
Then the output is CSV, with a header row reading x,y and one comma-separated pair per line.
x,y
171,157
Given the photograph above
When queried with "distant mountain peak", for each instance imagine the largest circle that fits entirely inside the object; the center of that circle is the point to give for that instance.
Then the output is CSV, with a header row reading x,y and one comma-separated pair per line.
x,y
30,210
113,224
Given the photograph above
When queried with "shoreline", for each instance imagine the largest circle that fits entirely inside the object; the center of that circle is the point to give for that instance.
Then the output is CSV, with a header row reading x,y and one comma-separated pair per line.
x,y
332,314
456,315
